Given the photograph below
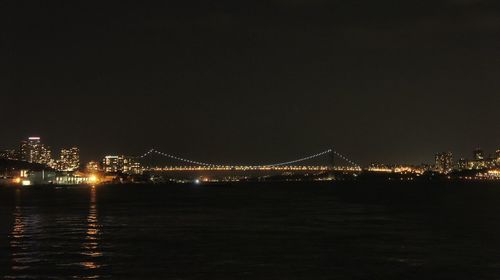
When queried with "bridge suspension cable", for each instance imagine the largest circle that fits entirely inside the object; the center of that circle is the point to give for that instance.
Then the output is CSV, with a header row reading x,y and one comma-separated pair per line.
x,y
297,160
346,159
154,151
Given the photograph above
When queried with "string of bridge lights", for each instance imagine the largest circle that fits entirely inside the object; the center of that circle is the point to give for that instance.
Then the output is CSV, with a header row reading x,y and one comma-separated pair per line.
x,y
154,151
298,160
344,158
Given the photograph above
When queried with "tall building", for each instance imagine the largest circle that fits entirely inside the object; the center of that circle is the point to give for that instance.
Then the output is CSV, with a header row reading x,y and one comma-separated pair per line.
x,y
34,151
444,162
29,149
69,160
131,166
125,164
112,164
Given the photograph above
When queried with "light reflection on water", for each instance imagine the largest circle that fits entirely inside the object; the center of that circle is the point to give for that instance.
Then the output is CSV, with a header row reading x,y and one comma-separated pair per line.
x,y
23,246
90,247
43,244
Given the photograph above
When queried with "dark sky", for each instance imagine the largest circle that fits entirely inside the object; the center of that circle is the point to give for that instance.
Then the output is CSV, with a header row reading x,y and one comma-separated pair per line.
x,y
243,82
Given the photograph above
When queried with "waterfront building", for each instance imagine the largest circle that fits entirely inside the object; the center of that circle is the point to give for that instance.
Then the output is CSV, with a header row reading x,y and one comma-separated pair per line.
x,y
41,177
12,176
74,178
444,162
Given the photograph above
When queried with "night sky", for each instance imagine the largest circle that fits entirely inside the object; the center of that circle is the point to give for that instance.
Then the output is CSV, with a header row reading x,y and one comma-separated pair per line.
x,y
245,82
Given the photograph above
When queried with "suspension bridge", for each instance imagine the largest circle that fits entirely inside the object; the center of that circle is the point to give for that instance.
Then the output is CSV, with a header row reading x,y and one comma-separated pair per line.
x,y
299,164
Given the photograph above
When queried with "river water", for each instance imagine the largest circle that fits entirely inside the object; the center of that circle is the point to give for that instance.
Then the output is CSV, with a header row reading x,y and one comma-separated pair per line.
x,y
252,231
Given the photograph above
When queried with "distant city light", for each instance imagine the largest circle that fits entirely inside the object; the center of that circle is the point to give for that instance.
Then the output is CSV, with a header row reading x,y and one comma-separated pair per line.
x,y
67,169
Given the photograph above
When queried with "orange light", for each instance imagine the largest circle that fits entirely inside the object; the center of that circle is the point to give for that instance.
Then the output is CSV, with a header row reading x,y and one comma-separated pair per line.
x,y
93,179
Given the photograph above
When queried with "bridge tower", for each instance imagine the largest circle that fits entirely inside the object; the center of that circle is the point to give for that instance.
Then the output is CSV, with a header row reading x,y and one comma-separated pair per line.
x,y
331,159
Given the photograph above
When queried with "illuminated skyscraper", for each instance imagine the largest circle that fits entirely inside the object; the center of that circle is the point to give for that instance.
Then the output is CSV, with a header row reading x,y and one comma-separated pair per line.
x,y
34,151
29,149
112,164
444,162
123,164
70,159
131,166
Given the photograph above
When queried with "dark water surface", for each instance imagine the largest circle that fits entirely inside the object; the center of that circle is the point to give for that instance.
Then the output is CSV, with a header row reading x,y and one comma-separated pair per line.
x,y
252,231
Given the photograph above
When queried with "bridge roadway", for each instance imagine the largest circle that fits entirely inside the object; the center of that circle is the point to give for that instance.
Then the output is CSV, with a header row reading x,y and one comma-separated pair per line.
x,y
244,172
297,168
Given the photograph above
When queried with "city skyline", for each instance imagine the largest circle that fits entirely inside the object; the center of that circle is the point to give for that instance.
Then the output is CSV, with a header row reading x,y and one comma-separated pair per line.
x,y
32,163
34,151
